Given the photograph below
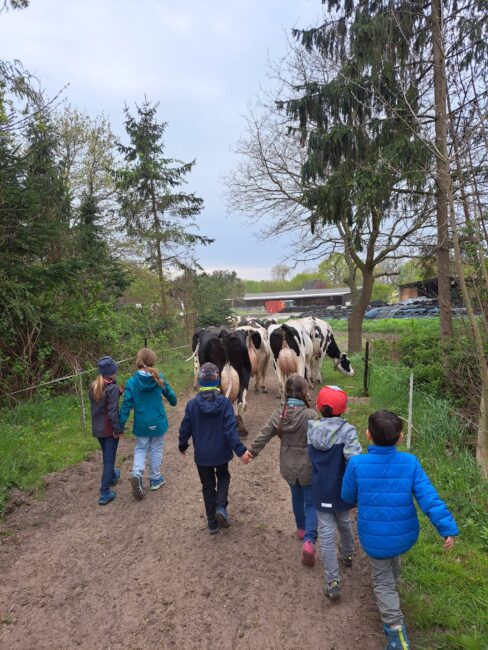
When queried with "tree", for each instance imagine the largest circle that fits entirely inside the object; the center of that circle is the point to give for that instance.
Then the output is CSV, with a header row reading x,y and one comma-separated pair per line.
x,y
154,212
280,271
334,270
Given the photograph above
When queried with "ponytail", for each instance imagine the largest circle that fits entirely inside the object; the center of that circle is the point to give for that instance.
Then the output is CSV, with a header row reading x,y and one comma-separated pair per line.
x,y
145,360
97,388
296,387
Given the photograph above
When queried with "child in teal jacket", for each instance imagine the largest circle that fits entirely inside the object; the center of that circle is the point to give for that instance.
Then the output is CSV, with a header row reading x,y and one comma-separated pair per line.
x,y
144,392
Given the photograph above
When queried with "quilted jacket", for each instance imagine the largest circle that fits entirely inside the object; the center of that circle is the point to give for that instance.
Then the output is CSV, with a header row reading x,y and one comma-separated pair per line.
x,y
383,483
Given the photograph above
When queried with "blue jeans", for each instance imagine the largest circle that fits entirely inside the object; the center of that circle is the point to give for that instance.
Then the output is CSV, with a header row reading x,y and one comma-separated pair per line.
x,y
155,446
109,451
304,511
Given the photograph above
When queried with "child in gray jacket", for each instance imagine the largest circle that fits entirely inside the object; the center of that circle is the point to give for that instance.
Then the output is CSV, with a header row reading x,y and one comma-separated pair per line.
x,y
331,442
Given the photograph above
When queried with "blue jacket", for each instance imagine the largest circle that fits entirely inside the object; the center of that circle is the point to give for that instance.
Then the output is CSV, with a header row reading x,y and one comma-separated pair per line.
x,y
210,421
331,443
383,483
143,394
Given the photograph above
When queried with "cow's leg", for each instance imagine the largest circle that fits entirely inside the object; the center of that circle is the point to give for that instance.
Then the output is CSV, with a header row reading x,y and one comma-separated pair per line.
x,y
264,370
241,425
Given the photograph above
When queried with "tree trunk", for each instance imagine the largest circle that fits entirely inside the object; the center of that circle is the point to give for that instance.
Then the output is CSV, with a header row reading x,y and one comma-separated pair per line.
x,y
442,175
355,323
159,255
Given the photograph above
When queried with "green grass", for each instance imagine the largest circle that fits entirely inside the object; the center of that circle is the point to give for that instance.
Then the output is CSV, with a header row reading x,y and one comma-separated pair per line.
x,y
44,434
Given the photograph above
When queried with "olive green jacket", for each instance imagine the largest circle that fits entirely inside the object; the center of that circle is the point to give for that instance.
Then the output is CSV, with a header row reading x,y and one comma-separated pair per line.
x,y
294,462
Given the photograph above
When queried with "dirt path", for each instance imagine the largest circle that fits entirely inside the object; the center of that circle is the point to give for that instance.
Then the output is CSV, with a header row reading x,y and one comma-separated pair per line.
x,y
147,575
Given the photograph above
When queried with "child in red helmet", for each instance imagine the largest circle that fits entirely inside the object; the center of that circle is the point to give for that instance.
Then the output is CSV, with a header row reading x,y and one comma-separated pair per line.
x,y
331,442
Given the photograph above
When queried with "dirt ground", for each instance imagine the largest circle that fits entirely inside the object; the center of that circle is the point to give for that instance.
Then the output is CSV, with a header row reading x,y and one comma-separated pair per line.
x,y
148,575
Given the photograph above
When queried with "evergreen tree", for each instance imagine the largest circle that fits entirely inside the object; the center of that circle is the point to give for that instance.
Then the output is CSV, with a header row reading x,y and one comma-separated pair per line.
x,y
155,210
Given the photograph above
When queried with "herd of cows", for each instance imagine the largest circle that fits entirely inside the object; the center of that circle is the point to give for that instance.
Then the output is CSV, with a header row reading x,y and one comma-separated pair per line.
x,y
243,351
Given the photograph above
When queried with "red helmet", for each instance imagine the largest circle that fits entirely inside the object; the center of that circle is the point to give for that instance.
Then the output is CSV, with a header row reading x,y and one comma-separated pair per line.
x,y
334,397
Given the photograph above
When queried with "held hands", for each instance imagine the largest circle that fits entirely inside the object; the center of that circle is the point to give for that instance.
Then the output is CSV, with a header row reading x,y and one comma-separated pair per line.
x,y
246,457
448,543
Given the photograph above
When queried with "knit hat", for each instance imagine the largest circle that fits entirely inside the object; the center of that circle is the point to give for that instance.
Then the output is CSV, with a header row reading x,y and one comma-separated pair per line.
x,y
209,375
334,397
106,366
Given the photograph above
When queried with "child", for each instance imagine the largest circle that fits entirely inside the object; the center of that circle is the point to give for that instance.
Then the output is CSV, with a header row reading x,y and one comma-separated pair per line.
x,y
144,393
106,428
383,483
331,442
210,421
290,425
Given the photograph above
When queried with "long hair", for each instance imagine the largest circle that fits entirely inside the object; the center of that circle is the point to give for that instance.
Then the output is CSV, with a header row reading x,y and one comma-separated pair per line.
x,y
97,388
145,360
295,387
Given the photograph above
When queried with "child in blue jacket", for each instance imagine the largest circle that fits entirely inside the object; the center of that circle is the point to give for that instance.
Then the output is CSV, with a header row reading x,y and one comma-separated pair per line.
x,y
332,441
210,421
144,393
383,483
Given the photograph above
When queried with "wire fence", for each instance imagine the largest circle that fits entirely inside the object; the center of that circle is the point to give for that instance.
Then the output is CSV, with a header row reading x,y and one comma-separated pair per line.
x,y
77,380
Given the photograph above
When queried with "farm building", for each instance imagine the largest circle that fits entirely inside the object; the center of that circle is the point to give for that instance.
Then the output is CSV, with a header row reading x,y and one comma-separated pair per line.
x,y
279,300
427,289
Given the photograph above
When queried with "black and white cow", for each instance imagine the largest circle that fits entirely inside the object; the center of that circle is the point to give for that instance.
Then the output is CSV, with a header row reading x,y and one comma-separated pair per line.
x,y
292,350
259,352
324,343
221,346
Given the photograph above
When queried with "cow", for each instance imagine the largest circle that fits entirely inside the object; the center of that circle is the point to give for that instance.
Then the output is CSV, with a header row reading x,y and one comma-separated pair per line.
x,y
292,351
221,346
324,343
259,353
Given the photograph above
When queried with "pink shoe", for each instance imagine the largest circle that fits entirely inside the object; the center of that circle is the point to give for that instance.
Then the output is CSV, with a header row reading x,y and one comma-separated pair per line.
x,y
308,554
300,533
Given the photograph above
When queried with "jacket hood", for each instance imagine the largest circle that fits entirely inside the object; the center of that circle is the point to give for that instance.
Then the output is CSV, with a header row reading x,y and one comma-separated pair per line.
x,y
323,434
211,401
145,381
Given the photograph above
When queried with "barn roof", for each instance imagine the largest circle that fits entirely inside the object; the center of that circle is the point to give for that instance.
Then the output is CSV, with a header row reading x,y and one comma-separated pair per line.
x,y
303,293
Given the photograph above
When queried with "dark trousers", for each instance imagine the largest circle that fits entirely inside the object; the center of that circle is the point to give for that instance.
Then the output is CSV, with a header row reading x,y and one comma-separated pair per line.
x,y
215,488
109,450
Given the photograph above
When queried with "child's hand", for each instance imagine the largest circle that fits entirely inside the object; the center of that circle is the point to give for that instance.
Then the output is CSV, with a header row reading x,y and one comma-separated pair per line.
x,y
246,457
448,543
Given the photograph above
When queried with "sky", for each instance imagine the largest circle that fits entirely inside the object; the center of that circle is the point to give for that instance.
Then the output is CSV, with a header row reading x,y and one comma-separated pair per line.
x,y
204,61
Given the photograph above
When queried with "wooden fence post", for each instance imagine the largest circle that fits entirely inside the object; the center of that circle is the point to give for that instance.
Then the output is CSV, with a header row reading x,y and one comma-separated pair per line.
x,y
410,412
366,371
82,403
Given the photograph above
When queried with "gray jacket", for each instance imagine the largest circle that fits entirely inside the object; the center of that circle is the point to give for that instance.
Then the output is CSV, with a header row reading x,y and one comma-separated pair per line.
x,y
294,462
105,413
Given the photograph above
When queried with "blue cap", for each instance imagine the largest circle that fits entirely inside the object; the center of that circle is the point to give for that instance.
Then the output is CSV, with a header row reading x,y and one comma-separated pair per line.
x,y
106,366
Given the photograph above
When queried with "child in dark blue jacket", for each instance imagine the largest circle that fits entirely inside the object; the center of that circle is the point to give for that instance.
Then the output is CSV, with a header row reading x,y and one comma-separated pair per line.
x,y
383,483
332,441
210,421
106,428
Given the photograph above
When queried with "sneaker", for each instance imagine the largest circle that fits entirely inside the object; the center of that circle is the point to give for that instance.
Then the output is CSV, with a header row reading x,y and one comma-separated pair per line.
x,y
156,483
308,554
397,638
300,533
222,516
106,498
213,528
115,478
346,560
137,489
333,590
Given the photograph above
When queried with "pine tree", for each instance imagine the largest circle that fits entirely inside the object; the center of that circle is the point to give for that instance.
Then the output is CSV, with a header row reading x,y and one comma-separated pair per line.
x,y
155,211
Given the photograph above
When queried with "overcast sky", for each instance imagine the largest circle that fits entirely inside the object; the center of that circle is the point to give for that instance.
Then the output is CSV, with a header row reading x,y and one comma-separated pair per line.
x,y
203,60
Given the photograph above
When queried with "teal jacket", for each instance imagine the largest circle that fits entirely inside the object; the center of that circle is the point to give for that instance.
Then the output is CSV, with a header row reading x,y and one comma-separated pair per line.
x,y
143,394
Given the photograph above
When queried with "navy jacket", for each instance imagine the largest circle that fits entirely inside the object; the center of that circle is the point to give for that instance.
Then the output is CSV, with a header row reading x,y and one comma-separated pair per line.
x,y
143,394
210,421
383,483
331,443
105,413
